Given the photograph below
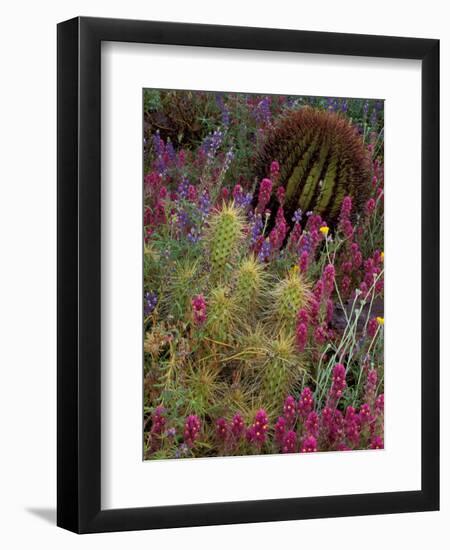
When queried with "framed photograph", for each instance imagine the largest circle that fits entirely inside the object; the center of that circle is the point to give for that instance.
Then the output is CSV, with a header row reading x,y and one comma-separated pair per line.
x,y
248,275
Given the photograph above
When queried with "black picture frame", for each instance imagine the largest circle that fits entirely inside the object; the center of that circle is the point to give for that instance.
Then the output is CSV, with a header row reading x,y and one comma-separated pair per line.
x,y
79,280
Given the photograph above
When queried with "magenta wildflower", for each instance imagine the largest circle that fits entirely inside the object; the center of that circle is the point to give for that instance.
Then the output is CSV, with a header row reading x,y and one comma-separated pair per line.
x,y
312,424
289,442
372,327
290,409
301,335
222,429
237,425
265,190
379,404
280,429
274,168
376,442
191,429
281,194
370,207
328,278
346,208
303,261
320,335
257,433
158,420
345,284
339,383
199,309
364,413
306,402
308,445
192,193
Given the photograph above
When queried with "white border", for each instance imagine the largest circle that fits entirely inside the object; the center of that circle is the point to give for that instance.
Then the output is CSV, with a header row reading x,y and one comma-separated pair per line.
x,y
127,481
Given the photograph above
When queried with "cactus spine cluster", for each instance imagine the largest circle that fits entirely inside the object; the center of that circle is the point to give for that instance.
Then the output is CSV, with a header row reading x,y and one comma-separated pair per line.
x,y
249,283
290,295
322,159
225,235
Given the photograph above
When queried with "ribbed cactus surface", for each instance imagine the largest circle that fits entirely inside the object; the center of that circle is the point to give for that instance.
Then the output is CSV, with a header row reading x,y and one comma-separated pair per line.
x,y
322,159
289,295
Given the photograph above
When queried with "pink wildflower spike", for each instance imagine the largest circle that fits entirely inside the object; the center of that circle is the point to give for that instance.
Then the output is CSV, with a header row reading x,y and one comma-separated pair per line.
x,y
281,194
280,429
345,284
301,335
222,429
330,310
376,442
320,335
158,420
370,207
346,208
237,425
265,190
372,326
258,432
289,443
274,168
290,409
339,383
379,404
199,309
312,424
192,193
303,261
364,413
308,445
191,429
306,402
328,278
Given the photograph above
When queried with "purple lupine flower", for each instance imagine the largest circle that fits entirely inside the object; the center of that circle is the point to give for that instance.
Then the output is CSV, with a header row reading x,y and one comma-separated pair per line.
x,y
265,250
289,442
192,427
256,229
262,111
150,302
297,217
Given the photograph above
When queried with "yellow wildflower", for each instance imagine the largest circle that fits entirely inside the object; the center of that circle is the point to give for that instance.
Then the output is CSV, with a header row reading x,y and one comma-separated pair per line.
x,y
380,320
382,256
324,230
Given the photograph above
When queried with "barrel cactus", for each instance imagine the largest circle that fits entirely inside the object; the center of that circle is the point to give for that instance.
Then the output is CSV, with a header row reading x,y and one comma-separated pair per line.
x,y
322,159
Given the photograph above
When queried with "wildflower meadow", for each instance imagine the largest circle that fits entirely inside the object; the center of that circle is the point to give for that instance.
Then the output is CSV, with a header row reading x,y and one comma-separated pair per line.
x,y
263,274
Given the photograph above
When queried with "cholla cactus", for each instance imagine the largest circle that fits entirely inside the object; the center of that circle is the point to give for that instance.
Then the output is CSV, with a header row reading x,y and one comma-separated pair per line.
x,y
250,281
290,295
222,314
281,371
225,235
